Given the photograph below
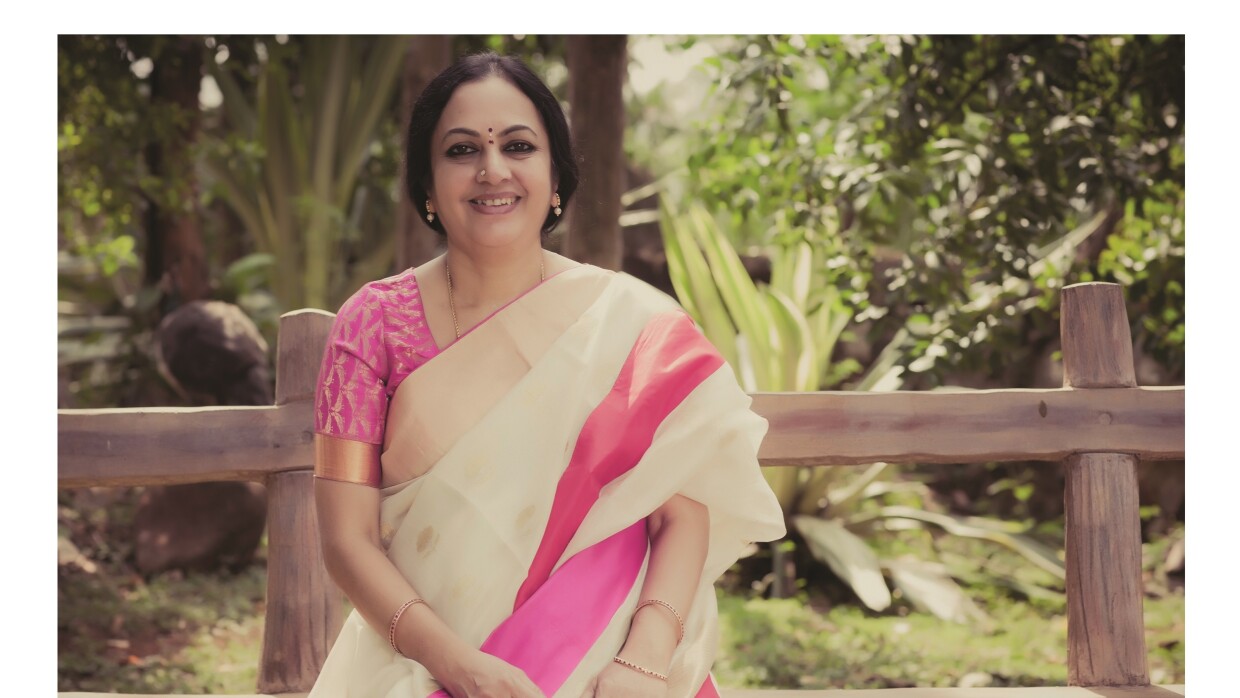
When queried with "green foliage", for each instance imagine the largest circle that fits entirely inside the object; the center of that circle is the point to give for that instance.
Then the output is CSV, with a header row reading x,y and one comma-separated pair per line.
x,y
293,164
1146,255
946,162
764,331
778,336
106,121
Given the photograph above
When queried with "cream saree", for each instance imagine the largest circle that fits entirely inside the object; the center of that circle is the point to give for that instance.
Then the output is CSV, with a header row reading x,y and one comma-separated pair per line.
x,y
518,467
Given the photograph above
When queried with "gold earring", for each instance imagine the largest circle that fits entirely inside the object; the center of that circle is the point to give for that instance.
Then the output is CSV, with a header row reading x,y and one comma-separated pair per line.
x,y
558,210
430,212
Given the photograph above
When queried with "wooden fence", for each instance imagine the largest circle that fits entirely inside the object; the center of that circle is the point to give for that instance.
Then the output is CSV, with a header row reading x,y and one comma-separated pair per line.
x,y
1099,424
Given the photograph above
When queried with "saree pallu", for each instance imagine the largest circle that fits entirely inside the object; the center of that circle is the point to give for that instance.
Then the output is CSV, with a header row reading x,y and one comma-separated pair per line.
x,y
519,466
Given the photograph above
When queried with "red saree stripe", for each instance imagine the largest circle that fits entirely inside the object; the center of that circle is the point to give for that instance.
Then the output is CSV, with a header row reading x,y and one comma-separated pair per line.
x,y
667,362
547,637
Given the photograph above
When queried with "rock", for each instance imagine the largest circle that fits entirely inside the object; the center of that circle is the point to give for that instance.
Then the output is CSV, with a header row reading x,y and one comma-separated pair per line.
x,y
199,527
213,351
214,354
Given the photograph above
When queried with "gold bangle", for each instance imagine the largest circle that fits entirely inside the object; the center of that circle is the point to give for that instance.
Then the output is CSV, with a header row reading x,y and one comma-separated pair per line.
x,y
642,669
395,620
679,621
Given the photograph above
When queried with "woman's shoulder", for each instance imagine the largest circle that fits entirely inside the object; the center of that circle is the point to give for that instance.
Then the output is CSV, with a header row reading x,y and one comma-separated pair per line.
x,y
647,294
394,291
625,288
404,282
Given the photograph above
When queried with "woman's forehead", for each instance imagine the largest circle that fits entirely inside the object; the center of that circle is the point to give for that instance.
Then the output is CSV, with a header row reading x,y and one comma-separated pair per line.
x,y
491,102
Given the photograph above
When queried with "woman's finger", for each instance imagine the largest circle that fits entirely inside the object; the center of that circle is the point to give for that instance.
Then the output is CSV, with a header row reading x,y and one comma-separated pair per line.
x,y
532,688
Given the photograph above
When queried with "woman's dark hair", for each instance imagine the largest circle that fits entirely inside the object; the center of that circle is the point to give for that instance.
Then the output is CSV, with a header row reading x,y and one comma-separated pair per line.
x,y
430,105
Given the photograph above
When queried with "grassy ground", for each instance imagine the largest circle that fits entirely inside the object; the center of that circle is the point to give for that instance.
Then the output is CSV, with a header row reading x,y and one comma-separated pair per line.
x,y
784,643
202,633
176,634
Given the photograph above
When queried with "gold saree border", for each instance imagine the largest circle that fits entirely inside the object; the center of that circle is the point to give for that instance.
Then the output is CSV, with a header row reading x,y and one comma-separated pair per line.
x,y
346,460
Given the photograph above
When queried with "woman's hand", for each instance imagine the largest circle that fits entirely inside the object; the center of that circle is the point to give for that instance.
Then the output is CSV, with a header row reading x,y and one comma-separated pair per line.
x,y
482,675
618,681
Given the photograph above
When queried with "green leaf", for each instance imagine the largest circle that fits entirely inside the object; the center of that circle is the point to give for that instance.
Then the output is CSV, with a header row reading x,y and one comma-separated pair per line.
x,y
848,556
981,528
695,287
743,302
798,356
931,589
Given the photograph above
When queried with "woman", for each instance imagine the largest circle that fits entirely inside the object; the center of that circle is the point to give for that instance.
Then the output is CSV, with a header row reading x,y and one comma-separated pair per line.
x,y
529,471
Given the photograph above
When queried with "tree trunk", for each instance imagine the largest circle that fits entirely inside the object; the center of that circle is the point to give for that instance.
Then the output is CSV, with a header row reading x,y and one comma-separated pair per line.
x,y
597,67
426,57
176,257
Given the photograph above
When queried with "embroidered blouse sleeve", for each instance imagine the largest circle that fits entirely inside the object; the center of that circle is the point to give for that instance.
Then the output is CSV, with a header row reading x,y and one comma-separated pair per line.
x,y
350,402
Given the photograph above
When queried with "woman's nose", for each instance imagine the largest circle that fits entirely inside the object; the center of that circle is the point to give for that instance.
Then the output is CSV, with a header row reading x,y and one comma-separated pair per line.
x,y
496,169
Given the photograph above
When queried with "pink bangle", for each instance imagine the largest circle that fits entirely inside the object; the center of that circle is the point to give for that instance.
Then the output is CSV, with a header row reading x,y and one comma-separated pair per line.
x,y
396,619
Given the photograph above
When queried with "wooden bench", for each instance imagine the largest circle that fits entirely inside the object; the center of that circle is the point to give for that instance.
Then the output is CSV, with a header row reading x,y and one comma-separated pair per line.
x,y
1099,425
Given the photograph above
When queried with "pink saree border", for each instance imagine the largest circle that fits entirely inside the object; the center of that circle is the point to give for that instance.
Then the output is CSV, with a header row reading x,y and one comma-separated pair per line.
x,y
548,636
708,689
668,361
558,617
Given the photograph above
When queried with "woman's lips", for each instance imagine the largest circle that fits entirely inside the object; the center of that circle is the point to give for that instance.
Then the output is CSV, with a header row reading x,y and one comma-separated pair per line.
x,y
495,205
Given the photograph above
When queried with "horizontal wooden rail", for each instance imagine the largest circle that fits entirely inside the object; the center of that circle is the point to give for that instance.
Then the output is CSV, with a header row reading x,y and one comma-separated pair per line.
x,y
850,428
170,445
179,445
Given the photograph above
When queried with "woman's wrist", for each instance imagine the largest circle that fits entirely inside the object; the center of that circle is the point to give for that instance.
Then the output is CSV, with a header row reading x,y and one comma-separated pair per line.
x,y
433,645
651,643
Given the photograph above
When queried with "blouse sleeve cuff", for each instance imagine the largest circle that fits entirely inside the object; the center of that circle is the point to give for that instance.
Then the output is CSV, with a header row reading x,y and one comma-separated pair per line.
x,y
346,460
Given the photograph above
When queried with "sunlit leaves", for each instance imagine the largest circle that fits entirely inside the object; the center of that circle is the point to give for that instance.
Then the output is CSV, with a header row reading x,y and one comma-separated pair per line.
x,y
963,155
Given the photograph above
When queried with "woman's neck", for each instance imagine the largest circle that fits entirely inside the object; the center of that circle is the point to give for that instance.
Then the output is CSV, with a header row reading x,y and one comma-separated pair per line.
x,y
490,278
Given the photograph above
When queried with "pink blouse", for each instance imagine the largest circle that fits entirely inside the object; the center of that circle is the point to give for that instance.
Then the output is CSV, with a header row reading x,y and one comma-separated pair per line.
x,y
379,337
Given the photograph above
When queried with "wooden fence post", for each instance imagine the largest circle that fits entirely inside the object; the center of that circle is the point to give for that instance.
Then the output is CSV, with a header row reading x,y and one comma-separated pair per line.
x,y
304,606
1106,628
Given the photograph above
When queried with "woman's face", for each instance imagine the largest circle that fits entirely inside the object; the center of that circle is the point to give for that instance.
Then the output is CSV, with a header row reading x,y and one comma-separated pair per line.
x,y
490,125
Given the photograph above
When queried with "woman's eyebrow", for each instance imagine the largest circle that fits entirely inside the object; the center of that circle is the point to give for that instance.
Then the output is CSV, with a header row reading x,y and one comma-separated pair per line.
x,y
474,134
517,127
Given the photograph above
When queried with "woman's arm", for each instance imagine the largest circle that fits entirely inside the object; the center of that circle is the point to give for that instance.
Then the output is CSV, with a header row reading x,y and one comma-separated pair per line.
x,y
679,533
349,525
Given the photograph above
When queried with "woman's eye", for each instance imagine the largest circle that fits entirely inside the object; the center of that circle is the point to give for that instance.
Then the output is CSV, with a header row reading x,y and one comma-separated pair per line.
x,y
459,149
520,147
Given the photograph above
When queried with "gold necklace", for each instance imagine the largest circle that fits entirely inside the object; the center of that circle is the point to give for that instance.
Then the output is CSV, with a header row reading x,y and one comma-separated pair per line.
x,y
542,276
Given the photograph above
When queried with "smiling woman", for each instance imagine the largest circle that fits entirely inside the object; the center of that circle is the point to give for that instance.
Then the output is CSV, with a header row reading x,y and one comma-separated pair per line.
x,y
539,505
